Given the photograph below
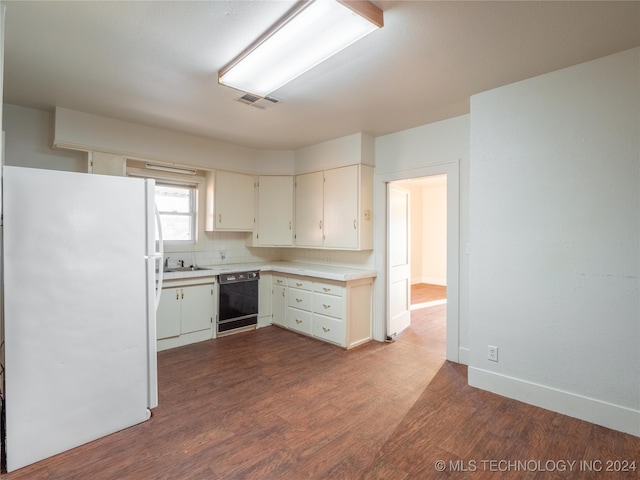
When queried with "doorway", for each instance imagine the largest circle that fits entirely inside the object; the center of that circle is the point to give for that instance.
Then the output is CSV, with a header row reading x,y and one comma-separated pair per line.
x,y
418,224
383,298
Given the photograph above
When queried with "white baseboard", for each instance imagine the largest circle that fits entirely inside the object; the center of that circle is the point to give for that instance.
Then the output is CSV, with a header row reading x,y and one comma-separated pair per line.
x,y
608,415
464,354
182,340
264,321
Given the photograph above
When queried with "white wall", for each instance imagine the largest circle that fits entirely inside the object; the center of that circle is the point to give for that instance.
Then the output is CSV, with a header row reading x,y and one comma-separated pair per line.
x,y
29,136
555,241
416,229
339,152
275,162
434,235
87,132
436,148
428,228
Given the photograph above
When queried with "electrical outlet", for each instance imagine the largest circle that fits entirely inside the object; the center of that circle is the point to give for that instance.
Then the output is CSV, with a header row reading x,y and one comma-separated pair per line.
x,y
492,353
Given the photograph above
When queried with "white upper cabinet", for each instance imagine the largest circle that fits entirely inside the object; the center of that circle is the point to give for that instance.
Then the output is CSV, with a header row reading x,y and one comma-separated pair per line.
x,y
275,211
334,208
341,207
230,202
309,200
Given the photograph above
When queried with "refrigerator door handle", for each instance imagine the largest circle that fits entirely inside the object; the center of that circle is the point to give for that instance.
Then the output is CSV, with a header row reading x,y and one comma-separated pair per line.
x,y
159,256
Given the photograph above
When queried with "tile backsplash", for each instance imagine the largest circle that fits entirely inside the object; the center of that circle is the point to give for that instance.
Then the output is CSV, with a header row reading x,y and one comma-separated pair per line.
x,y
222,248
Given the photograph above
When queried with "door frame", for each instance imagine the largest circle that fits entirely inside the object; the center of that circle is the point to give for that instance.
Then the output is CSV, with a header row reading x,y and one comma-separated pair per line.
x,y
452,170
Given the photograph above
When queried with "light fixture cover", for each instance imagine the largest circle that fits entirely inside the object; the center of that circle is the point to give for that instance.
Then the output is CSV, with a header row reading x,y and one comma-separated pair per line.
x,y
312,32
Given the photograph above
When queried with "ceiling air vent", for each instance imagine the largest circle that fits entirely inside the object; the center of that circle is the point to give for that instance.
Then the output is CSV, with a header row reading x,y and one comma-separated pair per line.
x,y
258,102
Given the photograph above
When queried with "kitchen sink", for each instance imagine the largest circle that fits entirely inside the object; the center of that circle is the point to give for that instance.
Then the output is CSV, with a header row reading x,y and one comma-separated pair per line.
x,y
184,269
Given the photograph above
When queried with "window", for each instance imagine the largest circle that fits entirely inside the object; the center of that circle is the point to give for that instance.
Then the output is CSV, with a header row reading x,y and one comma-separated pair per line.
x,y
177,207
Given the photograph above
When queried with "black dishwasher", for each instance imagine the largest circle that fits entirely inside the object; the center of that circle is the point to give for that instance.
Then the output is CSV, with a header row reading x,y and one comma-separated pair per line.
x,y
238,301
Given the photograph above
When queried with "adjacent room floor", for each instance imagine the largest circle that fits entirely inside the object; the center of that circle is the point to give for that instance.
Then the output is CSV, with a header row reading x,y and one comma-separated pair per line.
x,y
272,404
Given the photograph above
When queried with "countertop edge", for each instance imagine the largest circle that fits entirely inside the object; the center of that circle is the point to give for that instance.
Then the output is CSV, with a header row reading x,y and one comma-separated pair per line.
x,y
328,272
317,271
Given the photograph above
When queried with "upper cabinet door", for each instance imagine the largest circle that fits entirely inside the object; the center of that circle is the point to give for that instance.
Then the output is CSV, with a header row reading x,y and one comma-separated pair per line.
x,y
275,211
333,208
230,202
309,210
341,219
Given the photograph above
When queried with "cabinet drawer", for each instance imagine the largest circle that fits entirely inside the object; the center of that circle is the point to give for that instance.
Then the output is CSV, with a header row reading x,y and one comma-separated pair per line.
x,y
301,283
299,320
301,299
328,329
327,305
278,280
328,288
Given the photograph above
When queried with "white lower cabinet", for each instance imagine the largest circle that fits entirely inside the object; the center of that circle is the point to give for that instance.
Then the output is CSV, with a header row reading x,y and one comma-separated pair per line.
x,y
197,308
279,301
168,314
186,314
332,311
328,305
327,328
299,320
299,305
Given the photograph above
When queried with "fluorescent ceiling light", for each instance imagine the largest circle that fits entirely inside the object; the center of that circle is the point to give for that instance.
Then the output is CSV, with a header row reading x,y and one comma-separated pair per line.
x,y
308,34
166,168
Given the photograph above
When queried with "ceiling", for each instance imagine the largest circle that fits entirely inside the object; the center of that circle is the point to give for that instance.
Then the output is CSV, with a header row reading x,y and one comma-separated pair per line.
x,y
156,63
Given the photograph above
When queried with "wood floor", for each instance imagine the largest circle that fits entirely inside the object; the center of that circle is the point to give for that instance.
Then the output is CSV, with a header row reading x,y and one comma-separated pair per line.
x,y
425,292
271,404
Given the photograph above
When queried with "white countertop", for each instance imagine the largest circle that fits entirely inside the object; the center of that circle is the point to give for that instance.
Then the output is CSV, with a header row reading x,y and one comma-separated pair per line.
x,y
329,272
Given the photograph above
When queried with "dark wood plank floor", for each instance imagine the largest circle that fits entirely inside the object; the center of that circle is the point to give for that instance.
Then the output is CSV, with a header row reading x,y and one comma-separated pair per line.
x,y
270,404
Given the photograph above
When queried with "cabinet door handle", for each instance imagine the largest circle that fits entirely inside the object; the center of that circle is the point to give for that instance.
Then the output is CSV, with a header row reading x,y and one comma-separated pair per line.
x,y
182,293
298,284
177,294
219,218
279,281
283,293
326,289
320,225
325,329
289,225
354,225
298,300
298,321
326,306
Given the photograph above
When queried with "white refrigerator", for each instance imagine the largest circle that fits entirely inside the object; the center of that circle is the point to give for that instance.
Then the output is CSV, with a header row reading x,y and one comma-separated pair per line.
x,y
79,290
